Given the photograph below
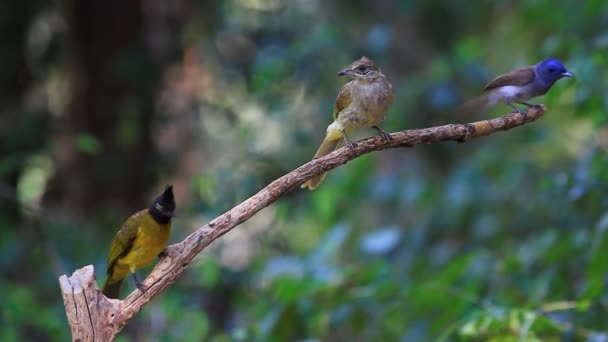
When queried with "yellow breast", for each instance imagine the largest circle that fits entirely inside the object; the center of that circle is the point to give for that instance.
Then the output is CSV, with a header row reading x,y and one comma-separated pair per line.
x,y
151,239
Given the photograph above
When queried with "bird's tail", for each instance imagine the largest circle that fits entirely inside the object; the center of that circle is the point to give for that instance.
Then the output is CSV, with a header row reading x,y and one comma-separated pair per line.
x,y
473,107
332,141
112,289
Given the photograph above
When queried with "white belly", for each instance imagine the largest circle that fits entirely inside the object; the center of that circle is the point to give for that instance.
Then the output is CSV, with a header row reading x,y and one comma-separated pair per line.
x,y
514,93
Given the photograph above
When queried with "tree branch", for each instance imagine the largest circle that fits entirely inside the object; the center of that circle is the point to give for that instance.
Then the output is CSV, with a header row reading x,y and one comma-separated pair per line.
x,y
92,316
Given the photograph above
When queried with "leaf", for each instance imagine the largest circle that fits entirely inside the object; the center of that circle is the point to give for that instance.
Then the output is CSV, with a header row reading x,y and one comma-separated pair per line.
x,y
88,143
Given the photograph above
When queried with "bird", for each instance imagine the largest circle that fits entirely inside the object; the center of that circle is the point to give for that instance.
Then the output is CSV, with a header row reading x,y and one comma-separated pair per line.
x,y
362,102
520,85
141,238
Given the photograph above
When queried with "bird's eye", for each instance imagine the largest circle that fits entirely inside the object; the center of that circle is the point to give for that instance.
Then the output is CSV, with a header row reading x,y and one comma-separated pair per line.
x,y
362,68
551,70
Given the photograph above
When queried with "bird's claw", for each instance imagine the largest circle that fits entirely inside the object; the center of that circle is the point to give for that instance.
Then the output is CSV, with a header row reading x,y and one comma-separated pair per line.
x,y
351,145
140,286
386,136
519,109
523,114
163,254
143,288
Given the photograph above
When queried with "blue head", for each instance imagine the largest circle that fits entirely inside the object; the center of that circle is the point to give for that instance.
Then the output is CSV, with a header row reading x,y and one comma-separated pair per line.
x,y
551,70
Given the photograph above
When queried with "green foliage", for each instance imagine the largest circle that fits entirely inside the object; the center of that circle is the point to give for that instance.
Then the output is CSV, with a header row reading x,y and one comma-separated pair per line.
x,y
87,143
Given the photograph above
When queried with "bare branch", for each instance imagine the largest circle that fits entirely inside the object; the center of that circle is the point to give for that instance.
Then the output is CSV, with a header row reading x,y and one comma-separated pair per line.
x,y
106,317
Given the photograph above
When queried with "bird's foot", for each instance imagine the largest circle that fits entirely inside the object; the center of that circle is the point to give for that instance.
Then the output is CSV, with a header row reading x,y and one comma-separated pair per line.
x,y
351,145
386,136
523,113
518,109
163,254
140,286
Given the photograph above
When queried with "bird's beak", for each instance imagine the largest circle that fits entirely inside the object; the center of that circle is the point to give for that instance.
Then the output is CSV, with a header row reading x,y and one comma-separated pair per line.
x,y
567,74
346,71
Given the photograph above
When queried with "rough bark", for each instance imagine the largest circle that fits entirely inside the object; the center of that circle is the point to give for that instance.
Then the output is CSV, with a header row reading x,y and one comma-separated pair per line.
x,y
93,317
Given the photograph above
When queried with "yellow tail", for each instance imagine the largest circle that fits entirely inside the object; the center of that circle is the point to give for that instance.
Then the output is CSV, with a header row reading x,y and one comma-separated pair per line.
x,y
331,142
112,290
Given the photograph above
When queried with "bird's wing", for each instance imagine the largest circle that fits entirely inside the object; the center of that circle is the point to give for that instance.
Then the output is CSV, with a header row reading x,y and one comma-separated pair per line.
x,y
517,77
343,99
123,241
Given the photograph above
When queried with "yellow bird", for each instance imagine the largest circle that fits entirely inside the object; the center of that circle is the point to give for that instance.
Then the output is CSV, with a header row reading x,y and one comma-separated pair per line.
x,y
142,237
362,102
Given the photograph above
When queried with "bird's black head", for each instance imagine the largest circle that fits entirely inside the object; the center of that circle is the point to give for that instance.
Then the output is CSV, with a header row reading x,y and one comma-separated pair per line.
x,y
163,208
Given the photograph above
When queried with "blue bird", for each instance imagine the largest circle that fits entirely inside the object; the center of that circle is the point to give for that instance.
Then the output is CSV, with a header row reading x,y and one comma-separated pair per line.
x,y
521,85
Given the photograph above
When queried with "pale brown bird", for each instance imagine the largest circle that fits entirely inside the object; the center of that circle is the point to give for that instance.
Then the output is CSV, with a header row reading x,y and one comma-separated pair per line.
x,y
362,102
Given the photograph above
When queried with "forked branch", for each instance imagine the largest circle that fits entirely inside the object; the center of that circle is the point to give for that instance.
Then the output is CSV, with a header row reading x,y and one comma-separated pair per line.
x,y
93,317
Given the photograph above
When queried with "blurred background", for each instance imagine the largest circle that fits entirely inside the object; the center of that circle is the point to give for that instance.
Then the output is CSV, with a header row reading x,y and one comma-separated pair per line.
x,y
502,238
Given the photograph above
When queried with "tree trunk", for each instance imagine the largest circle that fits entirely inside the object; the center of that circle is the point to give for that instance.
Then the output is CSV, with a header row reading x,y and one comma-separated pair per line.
x,y
105,155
